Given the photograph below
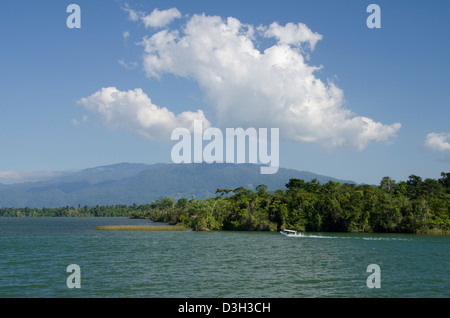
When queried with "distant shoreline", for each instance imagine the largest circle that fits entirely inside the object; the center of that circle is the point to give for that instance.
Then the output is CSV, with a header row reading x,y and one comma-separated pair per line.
x,y
181,227
416,207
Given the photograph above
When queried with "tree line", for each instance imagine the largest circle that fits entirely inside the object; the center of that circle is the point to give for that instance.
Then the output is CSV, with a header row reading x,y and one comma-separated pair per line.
x,y
412,206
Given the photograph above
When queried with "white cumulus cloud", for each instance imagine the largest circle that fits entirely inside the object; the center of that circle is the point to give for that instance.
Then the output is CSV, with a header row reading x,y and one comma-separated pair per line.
x,y
158,19
438,142
274,88
134,110
291,33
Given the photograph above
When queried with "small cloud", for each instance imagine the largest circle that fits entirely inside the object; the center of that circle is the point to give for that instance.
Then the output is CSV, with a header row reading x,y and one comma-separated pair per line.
x,y
292,34
126,35
133,15
438,142
76,122
158,19
128,66
11,177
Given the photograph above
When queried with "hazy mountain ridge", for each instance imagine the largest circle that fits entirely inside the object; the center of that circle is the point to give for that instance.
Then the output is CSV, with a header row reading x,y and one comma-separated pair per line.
x,y
128,183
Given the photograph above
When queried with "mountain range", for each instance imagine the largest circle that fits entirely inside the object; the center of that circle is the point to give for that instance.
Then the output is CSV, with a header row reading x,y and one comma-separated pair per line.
x,y
128,183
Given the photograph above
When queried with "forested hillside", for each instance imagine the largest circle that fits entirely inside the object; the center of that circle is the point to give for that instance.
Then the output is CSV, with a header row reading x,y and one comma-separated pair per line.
x,y
129,183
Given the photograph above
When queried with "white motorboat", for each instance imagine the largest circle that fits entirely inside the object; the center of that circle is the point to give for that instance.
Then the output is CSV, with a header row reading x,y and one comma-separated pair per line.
x,y
290,233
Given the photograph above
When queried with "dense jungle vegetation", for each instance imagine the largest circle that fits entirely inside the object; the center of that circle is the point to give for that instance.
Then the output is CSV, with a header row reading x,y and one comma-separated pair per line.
x,y
412,206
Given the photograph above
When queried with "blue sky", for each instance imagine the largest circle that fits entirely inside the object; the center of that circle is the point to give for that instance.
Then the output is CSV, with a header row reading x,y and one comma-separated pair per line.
x,y
395,74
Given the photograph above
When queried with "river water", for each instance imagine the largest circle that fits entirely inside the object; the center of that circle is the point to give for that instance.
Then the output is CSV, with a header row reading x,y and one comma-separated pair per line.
x,y
35,254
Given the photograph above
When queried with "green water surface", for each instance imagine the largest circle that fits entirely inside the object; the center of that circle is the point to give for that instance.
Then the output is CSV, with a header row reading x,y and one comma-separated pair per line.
x,y
35,253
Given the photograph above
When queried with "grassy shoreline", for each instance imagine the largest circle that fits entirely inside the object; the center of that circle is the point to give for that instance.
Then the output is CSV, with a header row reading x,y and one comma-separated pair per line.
x,y
141,228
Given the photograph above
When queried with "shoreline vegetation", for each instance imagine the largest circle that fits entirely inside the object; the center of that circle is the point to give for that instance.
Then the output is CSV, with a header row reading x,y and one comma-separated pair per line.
x,y
413,206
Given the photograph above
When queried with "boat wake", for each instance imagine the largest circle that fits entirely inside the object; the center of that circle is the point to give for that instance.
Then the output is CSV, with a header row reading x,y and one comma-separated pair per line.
x,y
291,233
385,239
320,236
